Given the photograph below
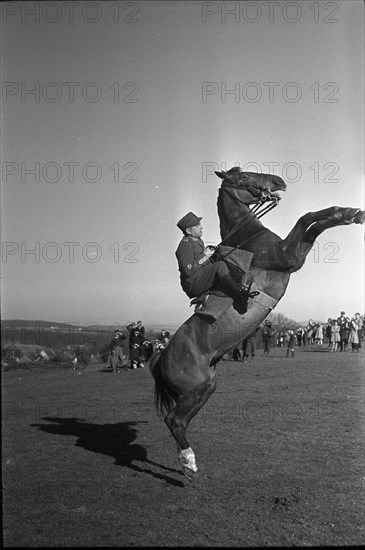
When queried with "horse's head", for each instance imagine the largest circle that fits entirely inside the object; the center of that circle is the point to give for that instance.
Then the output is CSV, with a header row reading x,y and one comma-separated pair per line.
x,y
262,191
252,186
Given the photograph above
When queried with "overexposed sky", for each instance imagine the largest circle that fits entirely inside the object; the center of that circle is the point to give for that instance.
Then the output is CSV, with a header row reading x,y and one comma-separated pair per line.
x,y
114,117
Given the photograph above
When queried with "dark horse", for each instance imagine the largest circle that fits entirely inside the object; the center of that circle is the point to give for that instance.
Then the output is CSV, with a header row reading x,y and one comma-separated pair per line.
x,y
184,372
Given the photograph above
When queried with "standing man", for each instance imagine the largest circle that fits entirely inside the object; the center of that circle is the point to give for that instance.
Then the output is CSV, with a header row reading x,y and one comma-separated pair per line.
x,y
116,351
291,342
198,273
342,322
136,339
359,323
249,346
266,337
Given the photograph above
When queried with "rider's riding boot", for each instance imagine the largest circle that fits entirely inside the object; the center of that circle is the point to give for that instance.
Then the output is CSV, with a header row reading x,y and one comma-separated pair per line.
x,y
287,352
240,293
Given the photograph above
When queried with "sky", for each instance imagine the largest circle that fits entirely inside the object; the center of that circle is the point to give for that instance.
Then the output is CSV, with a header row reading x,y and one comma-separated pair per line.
x,y
115,116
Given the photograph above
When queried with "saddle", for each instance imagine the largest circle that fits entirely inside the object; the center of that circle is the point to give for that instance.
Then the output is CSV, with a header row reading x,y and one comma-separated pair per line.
x,y
214,302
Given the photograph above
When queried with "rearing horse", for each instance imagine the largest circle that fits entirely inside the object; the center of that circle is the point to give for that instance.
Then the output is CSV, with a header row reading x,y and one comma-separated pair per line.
x,y
184,372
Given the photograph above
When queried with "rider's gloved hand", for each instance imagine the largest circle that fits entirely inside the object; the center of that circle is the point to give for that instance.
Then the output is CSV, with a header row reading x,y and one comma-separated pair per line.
x,y
215,254
209,250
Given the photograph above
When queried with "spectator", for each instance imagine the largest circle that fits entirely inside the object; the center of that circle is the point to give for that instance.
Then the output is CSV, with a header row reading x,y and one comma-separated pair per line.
x,y
140,327
236,356
305,337
164,337
344,334
300,332
249,346
328,331
335,335
359,322
319,335
266,337
116,351
158,345
281,339
354,336
342,317
341,322
311,328
136,339
135,356
290,338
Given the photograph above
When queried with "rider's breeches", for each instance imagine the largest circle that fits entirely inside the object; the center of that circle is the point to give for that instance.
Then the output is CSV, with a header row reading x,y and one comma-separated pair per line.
x,y
205,278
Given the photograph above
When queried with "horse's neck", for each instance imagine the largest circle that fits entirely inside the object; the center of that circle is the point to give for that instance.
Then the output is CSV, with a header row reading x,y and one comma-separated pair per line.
x,y
233,214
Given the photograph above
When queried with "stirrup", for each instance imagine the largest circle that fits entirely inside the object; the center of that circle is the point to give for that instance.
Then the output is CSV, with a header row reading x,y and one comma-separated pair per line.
x,y
247,289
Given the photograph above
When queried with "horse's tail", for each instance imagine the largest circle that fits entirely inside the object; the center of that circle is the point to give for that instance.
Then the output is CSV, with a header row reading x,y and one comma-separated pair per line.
x,y
164,397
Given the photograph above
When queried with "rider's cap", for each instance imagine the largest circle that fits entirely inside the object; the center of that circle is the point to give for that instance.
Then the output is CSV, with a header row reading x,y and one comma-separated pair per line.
x,y
188,220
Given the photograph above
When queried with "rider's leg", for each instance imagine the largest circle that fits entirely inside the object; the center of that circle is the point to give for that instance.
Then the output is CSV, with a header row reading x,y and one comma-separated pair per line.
x,y
219,272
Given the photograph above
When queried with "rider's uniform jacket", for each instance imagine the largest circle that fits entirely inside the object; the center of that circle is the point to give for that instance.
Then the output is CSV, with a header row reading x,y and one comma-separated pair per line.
x,y
188,253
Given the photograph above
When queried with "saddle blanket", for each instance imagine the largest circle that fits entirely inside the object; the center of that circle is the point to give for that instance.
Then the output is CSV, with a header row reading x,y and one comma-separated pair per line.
x,y
213,306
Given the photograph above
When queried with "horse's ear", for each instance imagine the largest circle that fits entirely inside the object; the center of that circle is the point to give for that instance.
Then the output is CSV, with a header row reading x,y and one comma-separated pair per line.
x,y
222,175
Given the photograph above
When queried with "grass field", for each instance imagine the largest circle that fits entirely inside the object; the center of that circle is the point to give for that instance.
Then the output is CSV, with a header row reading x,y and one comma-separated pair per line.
x,y
87,462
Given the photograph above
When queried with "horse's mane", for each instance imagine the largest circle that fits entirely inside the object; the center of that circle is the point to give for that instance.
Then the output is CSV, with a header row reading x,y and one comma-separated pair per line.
x,y
234,170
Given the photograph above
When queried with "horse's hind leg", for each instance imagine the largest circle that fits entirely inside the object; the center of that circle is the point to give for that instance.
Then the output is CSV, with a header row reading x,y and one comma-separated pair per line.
x,y
187,406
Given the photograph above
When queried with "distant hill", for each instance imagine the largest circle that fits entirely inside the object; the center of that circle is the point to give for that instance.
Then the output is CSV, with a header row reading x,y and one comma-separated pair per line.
x,y
59,336
31,324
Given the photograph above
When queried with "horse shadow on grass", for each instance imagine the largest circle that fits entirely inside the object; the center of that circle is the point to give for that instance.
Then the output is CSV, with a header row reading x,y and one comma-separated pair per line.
x,y
114,440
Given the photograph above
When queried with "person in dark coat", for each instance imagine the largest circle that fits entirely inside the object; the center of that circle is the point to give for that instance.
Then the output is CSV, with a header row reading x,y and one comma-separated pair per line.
x,y
290,342
198,272
116,351
267,333
328,331
344,325
249,346
136,339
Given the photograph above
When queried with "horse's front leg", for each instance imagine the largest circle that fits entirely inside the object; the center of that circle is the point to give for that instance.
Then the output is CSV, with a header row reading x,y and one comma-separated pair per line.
x,y
301,238
329,217
317,228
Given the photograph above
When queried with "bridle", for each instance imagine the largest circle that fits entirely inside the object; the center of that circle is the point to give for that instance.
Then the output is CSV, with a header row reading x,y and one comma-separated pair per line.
x,y
258,209
265,196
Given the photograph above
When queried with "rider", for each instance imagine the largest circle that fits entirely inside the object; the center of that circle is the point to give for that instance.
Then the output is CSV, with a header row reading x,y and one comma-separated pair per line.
x,y
197,272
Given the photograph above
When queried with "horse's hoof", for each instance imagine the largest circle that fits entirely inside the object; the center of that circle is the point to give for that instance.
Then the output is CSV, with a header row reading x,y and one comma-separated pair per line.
x,y
359,217
188,463
190,474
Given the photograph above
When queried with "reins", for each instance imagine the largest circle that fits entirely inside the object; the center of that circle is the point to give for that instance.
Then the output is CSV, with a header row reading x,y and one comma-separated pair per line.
x,y
255,210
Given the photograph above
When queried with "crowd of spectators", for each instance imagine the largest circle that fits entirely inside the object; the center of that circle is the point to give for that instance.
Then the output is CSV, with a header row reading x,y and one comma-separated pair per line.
x,y
340,334
138,346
